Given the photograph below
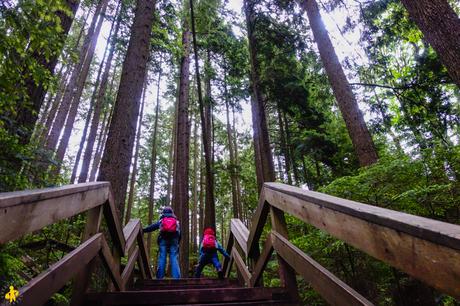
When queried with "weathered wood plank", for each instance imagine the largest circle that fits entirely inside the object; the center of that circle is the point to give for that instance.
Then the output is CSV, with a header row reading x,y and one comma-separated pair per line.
x,y
286,272
241,266
128,270
111,265
380,235
81,281
25,213
9,199
332,289
226,267
229,296
130,232
144,258
40,289
258,222
438,232
113,223
261,262
240,233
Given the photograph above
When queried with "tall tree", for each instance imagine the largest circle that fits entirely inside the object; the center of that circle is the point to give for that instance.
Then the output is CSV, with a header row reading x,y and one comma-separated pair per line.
x,y
441,26
66,103
205,114
116,159
100,101
29,109
231,149
153,159
78,91
262,153
354,120
132,184
180,195
101,81
195,188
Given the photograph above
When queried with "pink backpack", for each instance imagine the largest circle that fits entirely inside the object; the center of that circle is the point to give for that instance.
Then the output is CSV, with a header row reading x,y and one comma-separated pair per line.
x,y
209,242
168,225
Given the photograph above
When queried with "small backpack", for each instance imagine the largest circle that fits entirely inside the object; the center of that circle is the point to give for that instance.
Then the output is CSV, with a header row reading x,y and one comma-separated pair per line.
x,y
209,242
168,225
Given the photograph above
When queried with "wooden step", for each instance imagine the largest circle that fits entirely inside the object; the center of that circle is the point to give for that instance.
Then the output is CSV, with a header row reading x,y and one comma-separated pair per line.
x,y
190,296
184,281
146,287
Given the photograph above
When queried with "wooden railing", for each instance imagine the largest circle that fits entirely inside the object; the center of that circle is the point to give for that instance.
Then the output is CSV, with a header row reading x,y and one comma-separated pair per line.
x,y
27,211
426,249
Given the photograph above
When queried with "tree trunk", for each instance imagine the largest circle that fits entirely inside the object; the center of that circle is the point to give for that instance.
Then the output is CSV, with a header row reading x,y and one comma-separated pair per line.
x,y
54,106
66,103
237,166
202,191
153,161
100,100
76,98
94,105
28,112
441,27
210,214
354,120
107,119
231,149
196,181
263,154
180,196
136,155
291,150
116,159
284,147
104,130
172,146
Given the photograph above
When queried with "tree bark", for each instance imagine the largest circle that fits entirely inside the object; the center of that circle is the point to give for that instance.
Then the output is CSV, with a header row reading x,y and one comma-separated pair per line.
x,y
66,102
231,149
291,150
237,166
210,214
100,99
132,183
196,180
153,161
264,160
441,27
116,159
76,98
104,130
285,149
354,120
30,108
180,197
202,194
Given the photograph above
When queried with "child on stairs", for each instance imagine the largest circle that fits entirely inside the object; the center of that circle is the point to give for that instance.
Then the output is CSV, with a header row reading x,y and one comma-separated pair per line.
x,y
168,242
208,253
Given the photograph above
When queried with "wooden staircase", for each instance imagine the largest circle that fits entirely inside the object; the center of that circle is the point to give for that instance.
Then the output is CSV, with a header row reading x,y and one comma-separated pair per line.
x,y
191,291
426,249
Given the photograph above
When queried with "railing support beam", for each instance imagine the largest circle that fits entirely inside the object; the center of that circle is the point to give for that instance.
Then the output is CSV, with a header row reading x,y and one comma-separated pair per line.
x,y
287,274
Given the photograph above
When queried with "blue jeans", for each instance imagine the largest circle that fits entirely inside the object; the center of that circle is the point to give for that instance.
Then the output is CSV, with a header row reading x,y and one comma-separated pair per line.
x,y
171,246
207,258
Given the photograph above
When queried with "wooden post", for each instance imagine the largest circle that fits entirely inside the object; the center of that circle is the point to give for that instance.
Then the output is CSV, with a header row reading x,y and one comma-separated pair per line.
x,y
81,281
287,274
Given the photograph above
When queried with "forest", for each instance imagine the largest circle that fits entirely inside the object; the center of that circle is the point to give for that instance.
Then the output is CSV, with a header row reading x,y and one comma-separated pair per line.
x,y
195,104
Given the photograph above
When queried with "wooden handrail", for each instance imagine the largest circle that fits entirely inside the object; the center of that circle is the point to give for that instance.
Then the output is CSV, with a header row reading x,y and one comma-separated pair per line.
x,y
24,212
424,248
